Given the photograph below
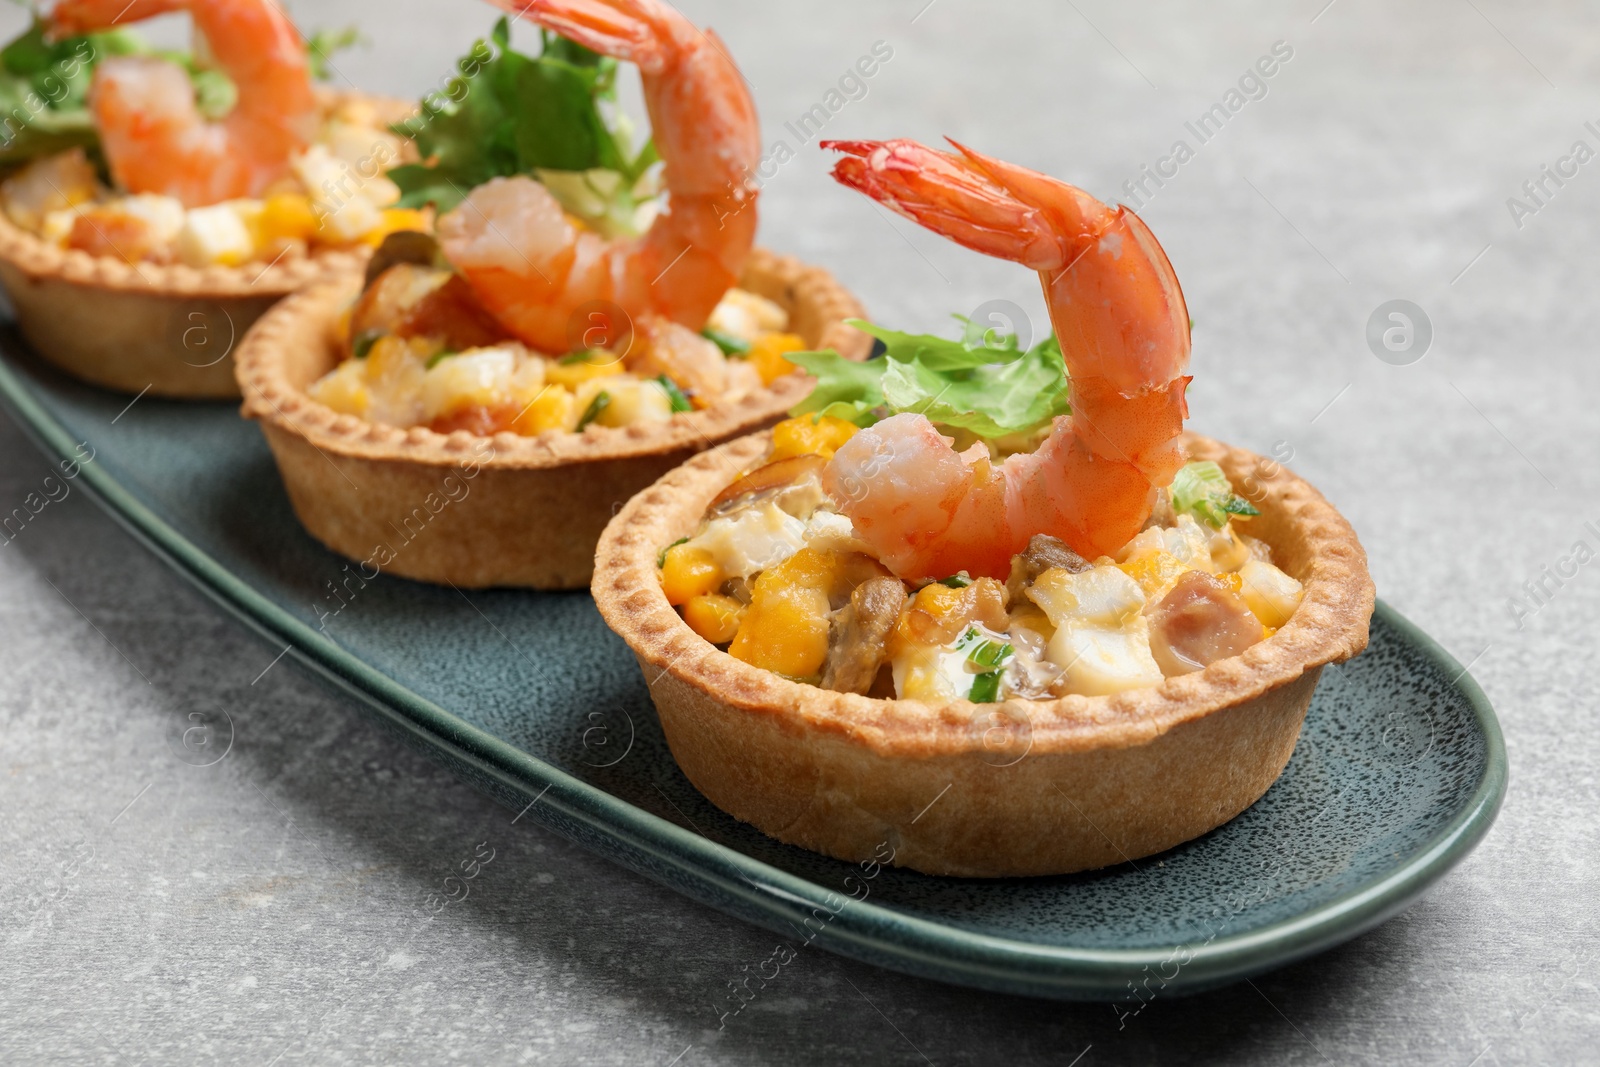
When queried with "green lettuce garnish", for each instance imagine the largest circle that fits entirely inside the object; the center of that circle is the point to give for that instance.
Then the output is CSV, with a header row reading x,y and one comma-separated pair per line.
x,y
1202,490
44,90
553,116
982,383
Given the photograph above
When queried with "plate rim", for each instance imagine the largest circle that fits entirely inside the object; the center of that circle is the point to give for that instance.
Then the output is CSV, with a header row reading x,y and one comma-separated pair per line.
x,y
766,895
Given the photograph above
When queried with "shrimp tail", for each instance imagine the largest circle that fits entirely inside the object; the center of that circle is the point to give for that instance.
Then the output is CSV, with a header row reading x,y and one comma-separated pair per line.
x,y
630,30
949,196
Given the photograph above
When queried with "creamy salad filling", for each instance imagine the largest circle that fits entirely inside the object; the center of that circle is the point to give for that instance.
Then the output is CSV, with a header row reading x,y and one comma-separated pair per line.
x,y
335,195
421,352
775,574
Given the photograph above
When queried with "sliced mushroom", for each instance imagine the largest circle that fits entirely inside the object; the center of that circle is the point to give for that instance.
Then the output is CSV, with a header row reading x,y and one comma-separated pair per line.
x,y
402,246
779,474
1199,622
861,633
1043,553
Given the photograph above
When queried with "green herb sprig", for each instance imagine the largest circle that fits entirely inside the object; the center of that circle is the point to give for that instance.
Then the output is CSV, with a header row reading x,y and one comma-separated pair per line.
x,y
601,401
736,347
674,394
507,113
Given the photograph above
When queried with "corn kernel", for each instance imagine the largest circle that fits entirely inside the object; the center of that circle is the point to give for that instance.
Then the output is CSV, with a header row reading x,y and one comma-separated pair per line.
x,y
785,629
715,618
766,354
554,408
688,572
821,435
937,600
286,215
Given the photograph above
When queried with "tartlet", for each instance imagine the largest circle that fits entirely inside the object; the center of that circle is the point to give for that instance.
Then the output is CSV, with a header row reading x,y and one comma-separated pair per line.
x,y
168,329
986,790
520,511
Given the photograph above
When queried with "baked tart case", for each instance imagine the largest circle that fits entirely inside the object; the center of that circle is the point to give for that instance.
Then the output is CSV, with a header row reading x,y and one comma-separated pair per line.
x,y
164,328
987,790
167,328
502,510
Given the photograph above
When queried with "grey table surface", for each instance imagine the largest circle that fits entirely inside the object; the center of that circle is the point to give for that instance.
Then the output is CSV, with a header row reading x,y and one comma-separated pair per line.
x,y
263,910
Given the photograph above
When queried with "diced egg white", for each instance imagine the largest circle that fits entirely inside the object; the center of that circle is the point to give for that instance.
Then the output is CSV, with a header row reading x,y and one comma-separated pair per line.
x,y
342,199
752,540
829,531
163,214
632,400
1100,595
1269,593
745,315
476,376
1096,660
215,234
930,672
1190,544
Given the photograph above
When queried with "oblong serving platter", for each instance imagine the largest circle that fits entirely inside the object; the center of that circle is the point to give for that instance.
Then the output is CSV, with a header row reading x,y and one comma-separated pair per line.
x,y
1399,772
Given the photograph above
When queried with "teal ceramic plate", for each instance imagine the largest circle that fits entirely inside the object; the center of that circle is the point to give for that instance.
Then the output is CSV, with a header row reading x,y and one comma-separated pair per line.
x,y
1398,774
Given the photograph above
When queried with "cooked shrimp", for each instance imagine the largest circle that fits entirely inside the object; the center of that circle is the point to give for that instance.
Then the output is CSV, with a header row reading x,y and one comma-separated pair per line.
x,y
535,270
1116,307
154,137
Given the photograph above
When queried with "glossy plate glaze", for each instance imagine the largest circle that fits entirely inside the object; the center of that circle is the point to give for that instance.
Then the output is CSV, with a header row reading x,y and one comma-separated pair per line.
x,y
1399,772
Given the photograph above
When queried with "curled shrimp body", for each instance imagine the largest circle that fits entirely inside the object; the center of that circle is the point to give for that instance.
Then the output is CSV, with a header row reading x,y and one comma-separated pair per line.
x,y
1124,331
154,137
533,269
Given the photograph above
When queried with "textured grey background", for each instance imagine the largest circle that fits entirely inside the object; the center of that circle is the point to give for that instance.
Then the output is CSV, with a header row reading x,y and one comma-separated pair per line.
x,y
268,909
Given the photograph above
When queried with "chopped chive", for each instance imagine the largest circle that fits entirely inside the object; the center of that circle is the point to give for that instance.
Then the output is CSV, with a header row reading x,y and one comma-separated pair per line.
x,y
985,688
674,394
574,357
982,653
661,558
990,655
601,401
434,359
956,581
363,343
730,345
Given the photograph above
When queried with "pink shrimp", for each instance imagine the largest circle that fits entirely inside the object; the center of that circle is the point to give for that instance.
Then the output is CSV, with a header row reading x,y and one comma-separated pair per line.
x,y
1116,307
534,270
156,140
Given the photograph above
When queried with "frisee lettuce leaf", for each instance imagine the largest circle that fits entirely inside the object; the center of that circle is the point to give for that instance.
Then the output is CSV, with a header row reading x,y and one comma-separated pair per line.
x,y
1201,489
506,114
982,383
